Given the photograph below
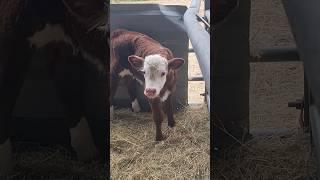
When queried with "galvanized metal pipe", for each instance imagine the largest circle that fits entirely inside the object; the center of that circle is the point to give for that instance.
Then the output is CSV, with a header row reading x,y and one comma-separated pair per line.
x,y
207,15
195,78
200,40
276,55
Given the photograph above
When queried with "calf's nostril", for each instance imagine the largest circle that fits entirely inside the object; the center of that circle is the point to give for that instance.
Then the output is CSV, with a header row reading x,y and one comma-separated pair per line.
x,y
150,91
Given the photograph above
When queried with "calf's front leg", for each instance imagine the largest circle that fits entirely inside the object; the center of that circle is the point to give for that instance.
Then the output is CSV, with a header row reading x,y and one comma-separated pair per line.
x,y
157,116
169,111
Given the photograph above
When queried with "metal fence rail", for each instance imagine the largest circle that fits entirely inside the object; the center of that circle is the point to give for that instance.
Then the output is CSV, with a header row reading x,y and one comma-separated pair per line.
x,y
276,55
200,40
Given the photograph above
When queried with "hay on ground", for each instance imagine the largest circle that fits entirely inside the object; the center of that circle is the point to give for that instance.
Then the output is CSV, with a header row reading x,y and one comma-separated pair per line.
x,y
183,154
275,157
53,163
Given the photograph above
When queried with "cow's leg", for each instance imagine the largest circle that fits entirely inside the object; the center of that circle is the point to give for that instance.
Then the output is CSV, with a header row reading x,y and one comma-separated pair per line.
x,y
157,116
169,111
82,141
95,90
132,90
5,158
15,55
69,82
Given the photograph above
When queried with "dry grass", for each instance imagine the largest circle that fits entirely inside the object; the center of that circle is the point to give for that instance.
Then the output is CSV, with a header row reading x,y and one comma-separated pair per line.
x,y
184,154
274,157
51,163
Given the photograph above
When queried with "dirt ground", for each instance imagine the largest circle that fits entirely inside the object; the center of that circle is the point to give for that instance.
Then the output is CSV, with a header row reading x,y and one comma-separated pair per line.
x,y
273,85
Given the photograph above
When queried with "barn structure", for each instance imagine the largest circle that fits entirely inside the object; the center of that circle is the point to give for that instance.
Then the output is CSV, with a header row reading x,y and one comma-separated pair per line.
x,y
231,71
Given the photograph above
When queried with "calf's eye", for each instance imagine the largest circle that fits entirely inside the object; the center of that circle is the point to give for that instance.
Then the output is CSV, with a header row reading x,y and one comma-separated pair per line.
x,y
162,74
143,72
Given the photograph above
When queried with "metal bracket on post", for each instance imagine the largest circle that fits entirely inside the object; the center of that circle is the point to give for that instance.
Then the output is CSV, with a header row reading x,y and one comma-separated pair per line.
x,y
299,104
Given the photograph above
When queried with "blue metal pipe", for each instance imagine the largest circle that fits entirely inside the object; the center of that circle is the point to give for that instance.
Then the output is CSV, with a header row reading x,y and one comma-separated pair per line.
x,y
200,40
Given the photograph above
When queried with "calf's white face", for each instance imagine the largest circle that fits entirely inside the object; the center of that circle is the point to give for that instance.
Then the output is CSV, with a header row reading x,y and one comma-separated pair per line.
x,y
155,69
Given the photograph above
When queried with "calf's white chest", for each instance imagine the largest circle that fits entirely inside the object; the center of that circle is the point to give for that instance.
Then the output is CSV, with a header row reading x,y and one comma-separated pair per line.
x,y
165,95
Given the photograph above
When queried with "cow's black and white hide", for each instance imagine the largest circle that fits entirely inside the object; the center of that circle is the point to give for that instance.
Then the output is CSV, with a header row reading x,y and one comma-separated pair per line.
x,y
77,32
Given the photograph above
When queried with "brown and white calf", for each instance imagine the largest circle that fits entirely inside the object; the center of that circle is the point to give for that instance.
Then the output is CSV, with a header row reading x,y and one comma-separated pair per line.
x,y
152,65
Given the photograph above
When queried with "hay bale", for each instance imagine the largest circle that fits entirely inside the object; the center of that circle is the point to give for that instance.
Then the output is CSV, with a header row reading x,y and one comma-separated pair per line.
x,y
183,154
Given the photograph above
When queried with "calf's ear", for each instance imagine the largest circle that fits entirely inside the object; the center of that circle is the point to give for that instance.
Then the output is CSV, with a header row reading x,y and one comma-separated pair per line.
x,y
136,61
175,63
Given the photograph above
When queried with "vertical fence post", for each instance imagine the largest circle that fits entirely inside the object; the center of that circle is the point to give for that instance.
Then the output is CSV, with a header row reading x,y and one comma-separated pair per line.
x,y
231,77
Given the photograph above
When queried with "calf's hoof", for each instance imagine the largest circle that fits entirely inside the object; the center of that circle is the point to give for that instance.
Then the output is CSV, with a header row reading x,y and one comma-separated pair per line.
x,y
171,124
82,141
6,164
159,137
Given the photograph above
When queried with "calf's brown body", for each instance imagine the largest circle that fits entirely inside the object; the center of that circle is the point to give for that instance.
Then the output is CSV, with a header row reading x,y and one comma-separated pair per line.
x,y
127,43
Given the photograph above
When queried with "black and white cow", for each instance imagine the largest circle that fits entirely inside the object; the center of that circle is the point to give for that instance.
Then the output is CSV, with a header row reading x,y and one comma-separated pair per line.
x,y
77,31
